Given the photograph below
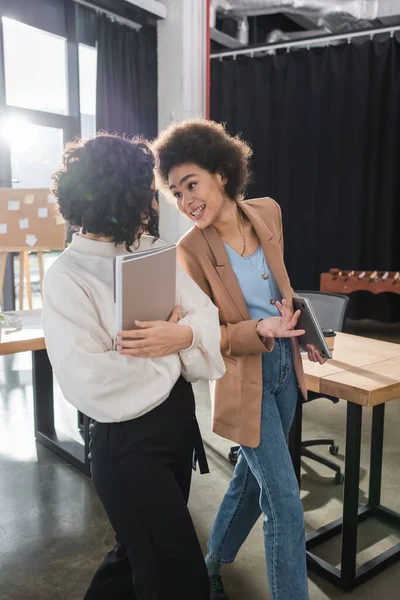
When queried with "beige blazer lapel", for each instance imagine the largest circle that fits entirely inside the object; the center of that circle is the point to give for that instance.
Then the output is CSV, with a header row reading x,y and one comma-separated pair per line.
x,y
273,254
225,272
272,251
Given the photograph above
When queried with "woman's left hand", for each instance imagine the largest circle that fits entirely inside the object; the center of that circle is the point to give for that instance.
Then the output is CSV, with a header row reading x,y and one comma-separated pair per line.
x,y
314,355
155,339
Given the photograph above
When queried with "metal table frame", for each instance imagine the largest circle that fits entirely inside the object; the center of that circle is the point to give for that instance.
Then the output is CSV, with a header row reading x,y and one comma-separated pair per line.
x,y
349,575
75,453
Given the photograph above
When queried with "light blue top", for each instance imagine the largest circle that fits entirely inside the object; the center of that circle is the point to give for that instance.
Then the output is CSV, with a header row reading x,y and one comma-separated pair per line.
x,y
257,292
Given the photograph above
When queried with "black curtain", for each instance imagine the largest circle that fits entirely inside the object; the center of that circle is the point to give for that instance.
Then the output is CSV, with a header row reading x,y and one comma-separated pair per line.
x,y
126,79
324,125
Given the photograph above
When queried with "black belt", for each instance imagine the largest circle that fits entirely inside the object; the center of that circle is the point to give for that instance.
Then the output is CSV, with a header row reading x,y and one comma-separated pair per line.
x,y
199,454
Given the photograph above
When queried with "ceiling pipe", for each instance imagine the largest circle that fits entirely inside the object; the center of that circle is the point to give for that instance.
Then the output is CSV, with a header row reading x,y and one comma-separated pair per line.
x,y
357,9
321,40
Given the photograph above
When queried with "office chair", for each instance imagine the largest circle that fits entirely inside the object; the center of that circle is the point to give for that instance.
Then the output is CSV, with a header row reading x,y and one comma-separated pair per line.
x,y
330,310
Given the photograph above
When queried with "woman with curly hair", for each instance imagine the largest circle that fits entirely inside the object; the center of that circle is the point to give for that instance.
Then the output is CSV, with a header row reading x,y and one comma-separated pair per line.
x,y
235,254
138,395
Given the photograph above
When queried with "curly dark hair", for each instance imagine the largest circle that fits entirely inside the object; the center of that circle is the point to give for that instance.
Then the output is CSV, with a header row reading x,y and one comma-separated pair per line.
x,y
208,145
104,187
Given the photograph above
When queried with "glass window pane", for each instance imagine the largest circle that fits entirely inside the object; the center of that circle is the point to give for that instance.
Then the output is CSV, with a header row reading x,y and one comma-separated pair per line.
x,y
87,89
35,68
35,152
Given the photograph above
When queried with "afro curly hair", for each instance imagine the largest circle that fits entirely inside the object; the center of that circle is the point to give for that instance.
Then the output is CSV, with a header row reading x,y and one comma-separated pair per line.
x,y
104,187
208,145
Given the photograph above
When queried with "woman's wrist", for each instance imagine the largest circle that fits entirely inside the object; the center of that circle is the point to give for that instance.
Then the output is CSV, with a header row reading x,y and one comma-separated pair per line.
x,y
186,336
263,332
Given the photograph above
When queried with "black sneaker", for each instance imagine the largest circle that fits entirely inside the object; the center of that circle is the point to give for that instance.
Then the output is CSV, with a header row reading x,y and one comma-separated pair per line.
x,y
217,588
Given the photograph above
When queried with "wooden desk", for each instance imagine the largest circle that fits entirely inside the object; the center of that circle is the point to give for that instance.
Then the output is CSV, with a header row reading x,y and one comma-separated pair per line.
x,y
30,339
366,373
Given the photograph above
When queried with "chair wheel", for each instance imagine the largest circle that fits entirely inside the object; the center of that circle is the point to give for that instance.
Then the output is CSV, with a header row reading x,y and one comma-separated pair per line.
x,y
232,456
339,478
334,450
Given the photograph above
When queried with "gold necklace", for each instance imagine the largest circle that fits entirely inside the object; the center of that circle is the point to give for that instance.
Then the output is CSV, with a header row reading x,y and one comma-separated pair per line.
x,y
242,232
264,274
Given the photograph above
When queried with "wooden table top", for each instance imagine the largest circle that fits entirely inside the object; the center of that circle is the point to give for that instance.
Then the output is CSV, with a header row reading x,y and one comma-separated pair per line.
x,y
363,370
27,339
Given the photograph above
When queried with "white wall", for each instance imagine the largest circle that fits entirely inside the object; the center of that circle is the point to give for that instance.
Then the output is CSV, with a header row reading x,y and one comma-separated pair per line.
x,y
181,82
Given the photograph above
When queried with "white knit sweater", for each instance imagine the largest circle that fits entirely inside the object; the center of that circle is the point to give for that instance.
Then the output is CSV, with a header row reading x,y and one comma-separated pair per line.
x,y
78,322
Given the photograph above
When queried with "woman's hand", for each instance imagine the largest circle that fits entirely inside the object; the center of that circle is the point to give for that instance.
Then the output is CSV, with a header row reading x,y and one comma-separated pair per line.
x,y
314,355
280,327
155,339
283,327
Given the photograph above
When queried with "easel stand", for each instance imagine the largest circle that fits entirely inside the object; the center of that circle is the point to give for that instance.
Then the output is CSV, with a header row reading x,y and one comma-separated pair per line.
x,y
24,276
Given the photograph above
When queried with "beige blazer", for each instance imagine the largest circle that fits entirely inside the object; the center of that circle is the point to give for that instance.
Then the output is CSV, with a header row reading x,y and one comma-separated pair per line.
x,y
236,398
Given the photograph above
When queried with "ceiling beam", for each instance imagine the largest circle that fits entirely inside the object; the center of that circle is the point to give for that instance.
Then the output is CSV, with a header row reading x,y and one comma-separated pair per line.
x,y
158,9
224,39
116,17
303,21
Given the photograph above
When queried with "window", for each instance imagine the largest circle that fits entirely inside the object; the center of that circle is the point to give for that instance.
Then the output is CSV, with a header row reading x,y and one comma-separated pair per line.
x,y
35,116
35,152
35,68
87,89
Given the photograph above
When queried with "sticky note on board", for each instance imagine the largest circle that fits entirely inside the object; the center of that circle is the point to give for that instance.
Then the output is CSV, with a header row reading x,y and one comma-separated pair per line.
x,y
51,199
24,224
3,227
43,213
29,199
13,205
30,240
59,220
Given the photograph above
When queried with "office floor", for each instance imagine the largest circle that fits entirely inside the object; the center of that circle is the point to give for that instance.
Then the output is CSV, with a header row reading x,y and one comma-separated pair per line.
x,y
53,531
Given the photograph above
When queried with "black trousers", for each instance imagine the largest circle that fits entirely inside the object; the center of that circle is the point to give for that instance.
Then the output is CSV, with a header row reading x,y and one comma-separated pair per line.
x,y
141,470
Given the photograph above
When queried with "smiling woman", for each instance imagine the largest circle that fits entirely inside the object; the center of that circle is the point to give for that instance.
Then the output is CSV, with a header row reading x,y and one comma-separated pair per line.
x,y
235,253
198,192
210,148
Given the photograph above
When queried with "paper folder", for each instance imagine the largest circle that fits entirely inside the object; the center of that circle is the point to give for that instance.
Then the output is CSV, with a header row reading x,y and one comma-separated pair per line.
x,y
144,286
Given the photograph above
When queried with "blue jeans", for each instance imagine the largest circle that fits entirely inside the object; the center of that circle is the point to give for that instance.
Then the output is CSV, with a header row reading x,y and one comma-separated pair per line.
x,y
264,482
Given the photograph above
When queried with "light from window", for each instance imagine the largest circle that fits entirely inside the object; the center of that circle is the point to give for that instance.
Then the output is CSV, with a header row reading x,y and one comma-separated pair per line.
x,y
35,152
87,89
35,68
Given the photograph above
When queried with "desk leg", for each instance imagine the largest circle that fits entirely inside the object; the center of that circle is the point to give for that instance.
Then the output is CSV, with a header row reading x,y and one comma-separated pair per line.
x,y
43,393
375,476
295,436
74,452
350,495
81,421
348,576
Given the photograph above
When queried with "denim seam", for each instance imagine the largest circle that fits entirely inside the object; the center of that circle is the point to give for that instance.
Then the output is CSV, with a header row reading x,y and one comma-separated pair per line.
x,y
273,583
229,526
284,364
